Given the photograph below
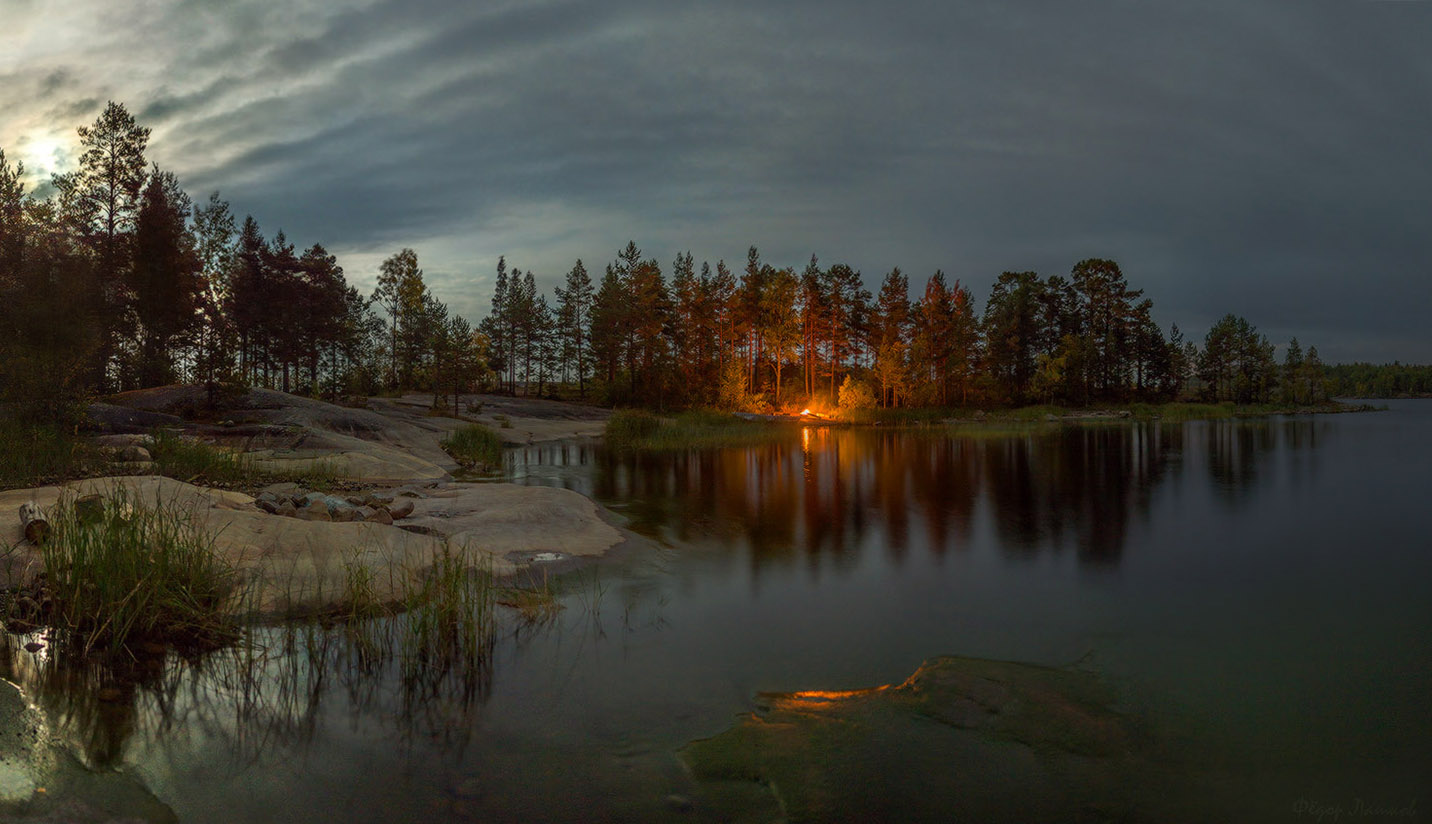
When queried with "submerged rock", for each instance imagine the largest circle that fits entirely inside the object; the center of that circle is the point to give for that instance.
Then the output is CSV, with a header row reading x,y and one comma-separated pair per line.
x,y
961,739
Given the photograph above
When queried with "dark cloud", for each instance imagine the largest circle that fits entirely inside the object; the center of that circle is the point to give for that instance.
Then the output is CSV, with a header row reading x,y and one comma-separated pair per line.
x,y
1266,158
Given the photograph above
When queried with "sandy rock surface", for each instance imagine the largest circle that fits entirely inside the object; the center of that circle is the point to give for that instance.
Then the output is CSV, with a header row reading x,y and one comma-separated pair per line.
x,y
300,566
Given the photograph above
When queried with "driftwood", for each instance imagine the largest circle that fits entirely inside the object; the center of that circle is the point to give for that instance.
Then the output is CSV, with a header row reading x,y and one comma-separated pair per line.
x,y
32,519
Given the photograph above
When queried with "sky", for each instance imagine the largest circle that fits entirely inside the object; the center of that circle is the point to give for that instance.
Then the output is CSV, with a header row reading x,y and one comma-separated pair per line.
x,y
1269,159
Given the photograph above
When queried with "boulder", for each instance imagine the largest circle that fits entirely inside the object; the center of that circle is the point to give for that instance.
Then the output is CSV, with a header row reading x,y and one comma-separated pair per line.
x,y
401,510
135,453
379,516
122,441
314,513
286,509
269,505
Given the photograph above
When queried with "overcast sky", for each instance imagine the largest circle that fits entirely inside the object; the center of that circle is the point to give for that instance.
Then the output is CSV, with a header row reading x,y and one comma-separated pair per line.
x,y
1271,159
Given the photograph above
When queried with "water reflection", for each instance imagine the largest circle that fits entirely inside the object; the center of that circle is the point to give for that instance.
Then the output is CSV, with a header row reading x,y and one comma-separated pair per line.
x,y
825,494
269,693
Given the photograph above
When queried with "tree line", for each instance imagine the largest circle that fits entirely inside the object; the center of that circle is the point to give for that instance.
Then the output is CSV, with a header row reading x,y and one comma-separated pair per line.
x,y
1387,380
119,280
771,337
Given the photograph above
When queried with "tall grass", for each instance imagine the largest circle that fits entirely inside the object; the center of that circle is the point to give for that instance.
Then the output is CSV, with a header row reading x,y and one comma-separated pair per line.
x,y
37,454
189,460
138,572
193,461
638,430
474,446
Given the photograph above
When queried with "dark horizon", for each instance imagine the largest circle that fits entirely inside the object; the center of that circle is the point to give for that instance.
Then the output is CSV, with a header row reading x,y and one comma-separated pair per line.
x,y
1260,157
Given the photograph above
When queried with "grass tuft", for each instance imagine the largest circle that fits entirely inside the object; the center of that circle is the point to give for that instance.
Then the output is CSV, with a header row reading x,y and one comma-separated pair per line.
x,y
449,621
474,446
137,572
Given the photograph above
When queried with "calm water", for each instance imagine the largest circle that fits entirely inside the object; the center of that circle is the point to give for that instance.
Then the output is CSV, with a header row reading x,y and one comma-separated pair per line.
x,y
1257,590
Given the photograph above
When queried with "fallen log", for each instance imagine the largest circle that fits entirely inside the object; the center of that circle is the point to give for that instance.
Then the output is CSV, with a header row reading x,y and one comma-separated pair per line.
x,y
32,519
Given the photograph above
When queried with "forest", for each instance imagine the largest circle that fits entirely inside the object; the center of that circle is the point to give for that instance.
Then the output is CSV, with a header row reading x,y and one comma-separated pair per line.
x,y
119,280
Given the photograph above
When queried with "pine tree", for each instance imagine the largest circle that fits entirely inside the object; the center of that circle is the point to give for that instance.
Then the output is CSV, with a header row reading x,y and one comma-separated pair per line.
x,y
100,203
165,277
574,316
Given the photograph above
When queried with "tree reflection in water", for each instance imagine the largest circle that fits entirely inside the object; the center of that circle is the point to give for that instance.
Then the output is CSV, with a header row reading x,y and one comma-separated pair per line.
x,y
823,495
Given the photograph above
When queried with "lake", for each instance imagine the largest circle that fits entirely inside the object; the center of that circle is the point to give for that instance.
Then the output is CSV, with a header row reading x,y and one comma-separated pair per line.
x,y
1255,592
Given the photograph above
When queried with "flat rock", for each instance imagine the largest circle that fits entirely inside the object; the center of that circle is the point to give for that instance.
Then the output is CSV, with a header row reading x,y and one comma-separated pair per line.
x,y
296,565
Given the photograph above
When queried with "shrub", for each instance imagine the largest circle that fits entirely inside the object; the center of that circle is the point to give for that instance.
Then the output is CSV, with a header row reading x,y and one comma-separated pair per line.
x,y
855,394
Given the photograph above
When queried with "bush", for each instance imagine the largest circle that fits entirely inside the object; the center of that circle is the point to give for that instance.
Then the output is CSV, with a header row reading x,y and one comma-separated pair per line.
x,y
855,394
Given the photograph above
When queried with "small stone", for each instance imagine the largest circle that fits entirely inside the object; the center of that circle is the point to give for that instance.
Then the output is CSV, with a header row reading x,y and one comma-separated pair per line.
x,y
379,516
110,694
89,508
135,453
286,509
411,493
679,803
335,503
270,507
377,499
356,500
314,513
401,510
34,646
312,498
